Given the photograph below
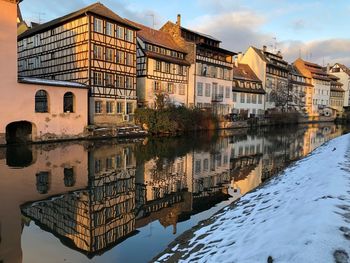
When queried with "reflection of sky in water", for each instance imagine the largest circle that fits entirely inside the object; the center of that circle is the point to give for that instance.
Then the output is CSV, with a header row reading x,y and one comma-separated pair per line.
x,y
244,157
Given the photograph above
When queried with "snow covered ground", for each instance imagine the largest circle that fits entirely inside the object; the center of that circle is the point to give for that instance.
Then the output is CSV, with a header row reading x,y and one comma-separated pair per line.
x,y
300,216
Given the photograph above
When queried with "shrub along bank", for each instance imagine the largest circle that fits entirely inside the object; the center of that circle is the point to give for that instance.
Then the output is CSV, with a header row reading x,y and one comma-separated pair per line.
x,y
175,120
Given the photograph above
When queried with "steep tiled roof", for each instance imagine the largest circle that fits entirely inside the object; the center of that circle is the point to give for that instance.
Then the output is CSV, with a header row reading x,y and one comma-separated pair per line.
x,y
344,68
170,59
315,70
97,8
200,34
156,37
244,73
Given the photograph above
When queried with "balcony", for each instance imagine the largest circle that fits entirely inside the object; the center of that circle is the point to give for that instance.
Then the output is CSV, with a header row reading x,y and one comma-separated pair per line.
x,y
217,97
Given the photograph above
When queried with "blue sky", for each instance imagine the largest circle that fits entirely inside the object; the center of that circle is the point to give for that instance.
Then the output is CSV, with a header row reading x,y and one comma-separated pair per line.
x,y
316,29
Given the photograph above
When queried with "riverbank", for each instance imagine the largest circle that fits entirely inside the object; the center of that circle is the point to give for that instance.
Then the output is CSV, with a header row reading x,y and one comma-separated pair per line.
x,y
299,216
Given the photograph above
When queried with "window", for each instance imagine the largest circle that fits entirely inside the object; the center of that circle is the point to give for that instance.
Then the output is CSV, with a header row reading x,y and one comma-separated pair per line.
x,y
181,70
243,98
254,98
120,107
109,79
156,86
207,89
98,80
98,106
109,29
98,52
199,89
260,99
181,89
109,54
158,66
109,107
129,59
129,82
120,57
129,107
234,96
41,101
120,81
129,35
227,92
170,88
248,98
98,25
120,32
167,67
68,102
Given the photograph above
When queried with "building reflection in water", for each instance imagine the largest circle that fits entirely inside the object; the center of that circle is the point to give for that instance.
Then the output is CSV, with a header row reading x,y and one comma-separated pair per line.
x,y
129,185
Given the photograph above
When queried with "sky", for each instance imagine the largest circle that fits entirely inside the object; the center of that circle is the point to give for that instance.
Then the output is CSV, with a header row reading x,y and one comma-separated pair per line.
x,y
315,30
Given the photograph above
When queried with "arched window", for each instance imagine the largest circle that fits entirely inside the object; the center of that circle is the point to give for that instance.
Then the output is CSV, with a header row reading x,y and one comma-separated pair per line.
x,y
41,101
68,102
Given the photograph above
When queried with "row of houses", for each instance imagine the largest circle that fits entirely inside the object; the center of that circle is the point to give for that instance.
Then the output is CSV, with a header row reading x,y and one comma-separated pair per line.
x,y
122,65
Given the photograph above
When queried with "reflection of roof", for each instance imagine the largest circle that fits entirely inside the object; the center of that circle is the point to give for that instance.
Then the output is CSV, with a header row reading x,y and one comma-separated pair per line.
x,y
200,34
50,82
97,8
156,37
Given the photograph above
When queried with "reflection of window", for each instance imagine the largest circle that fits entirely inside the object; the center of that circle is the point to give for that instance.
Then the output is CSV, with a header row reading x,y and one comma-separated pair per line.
x,y
129,107
110,107
197,166
120,107
199,89
98,166
68,102
207,89
41,101
42,182
69,179
205,165
118,161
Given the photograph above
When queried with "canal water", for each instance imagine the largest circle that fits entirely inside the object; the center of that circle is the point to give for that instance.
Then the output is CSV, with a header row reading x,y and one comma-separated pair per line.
x,y
125,201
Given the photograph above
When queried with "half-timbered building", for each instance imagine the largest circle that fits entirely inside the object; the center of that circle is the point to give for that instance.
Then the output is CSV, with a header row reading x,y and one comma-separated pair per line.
x,y
93,46
272,69
161,68
210,74
248,94
33,109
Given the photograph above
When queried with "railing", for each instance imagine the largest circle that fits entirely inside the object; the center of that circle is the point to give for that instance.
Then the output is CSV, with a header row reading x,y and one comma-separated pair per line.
x,y
217,98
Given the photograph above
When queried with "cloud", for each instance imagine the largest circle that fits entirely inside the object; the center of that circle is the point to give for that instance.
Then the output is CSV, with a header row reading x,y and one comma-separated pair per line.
x,y
298,24
320,51
237,30
52,9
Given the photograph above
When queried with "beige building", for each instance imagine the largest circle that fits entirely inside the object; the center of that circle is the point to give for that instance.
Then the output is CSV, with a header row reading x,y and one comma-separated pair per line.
x,y
321,87
93,46
210,74
300,92
33,109
343,73
161,68
272,70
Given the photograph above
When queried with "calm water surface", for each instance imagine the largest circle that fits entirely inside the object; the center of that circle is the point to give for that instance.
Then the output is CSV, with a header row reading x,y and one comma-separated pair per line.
x,y
125,201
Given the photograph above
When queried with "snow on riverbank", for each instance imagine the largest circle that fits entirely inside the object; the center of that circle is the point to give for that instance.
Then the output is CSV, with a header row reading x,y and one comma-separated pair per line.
x,y
300,216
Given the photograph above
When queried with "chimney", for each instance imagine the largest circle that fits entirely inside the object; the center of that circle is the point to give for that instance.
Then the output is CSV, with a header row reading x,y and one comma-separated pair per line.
x,y
238,58
178,20
264,48
279,53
